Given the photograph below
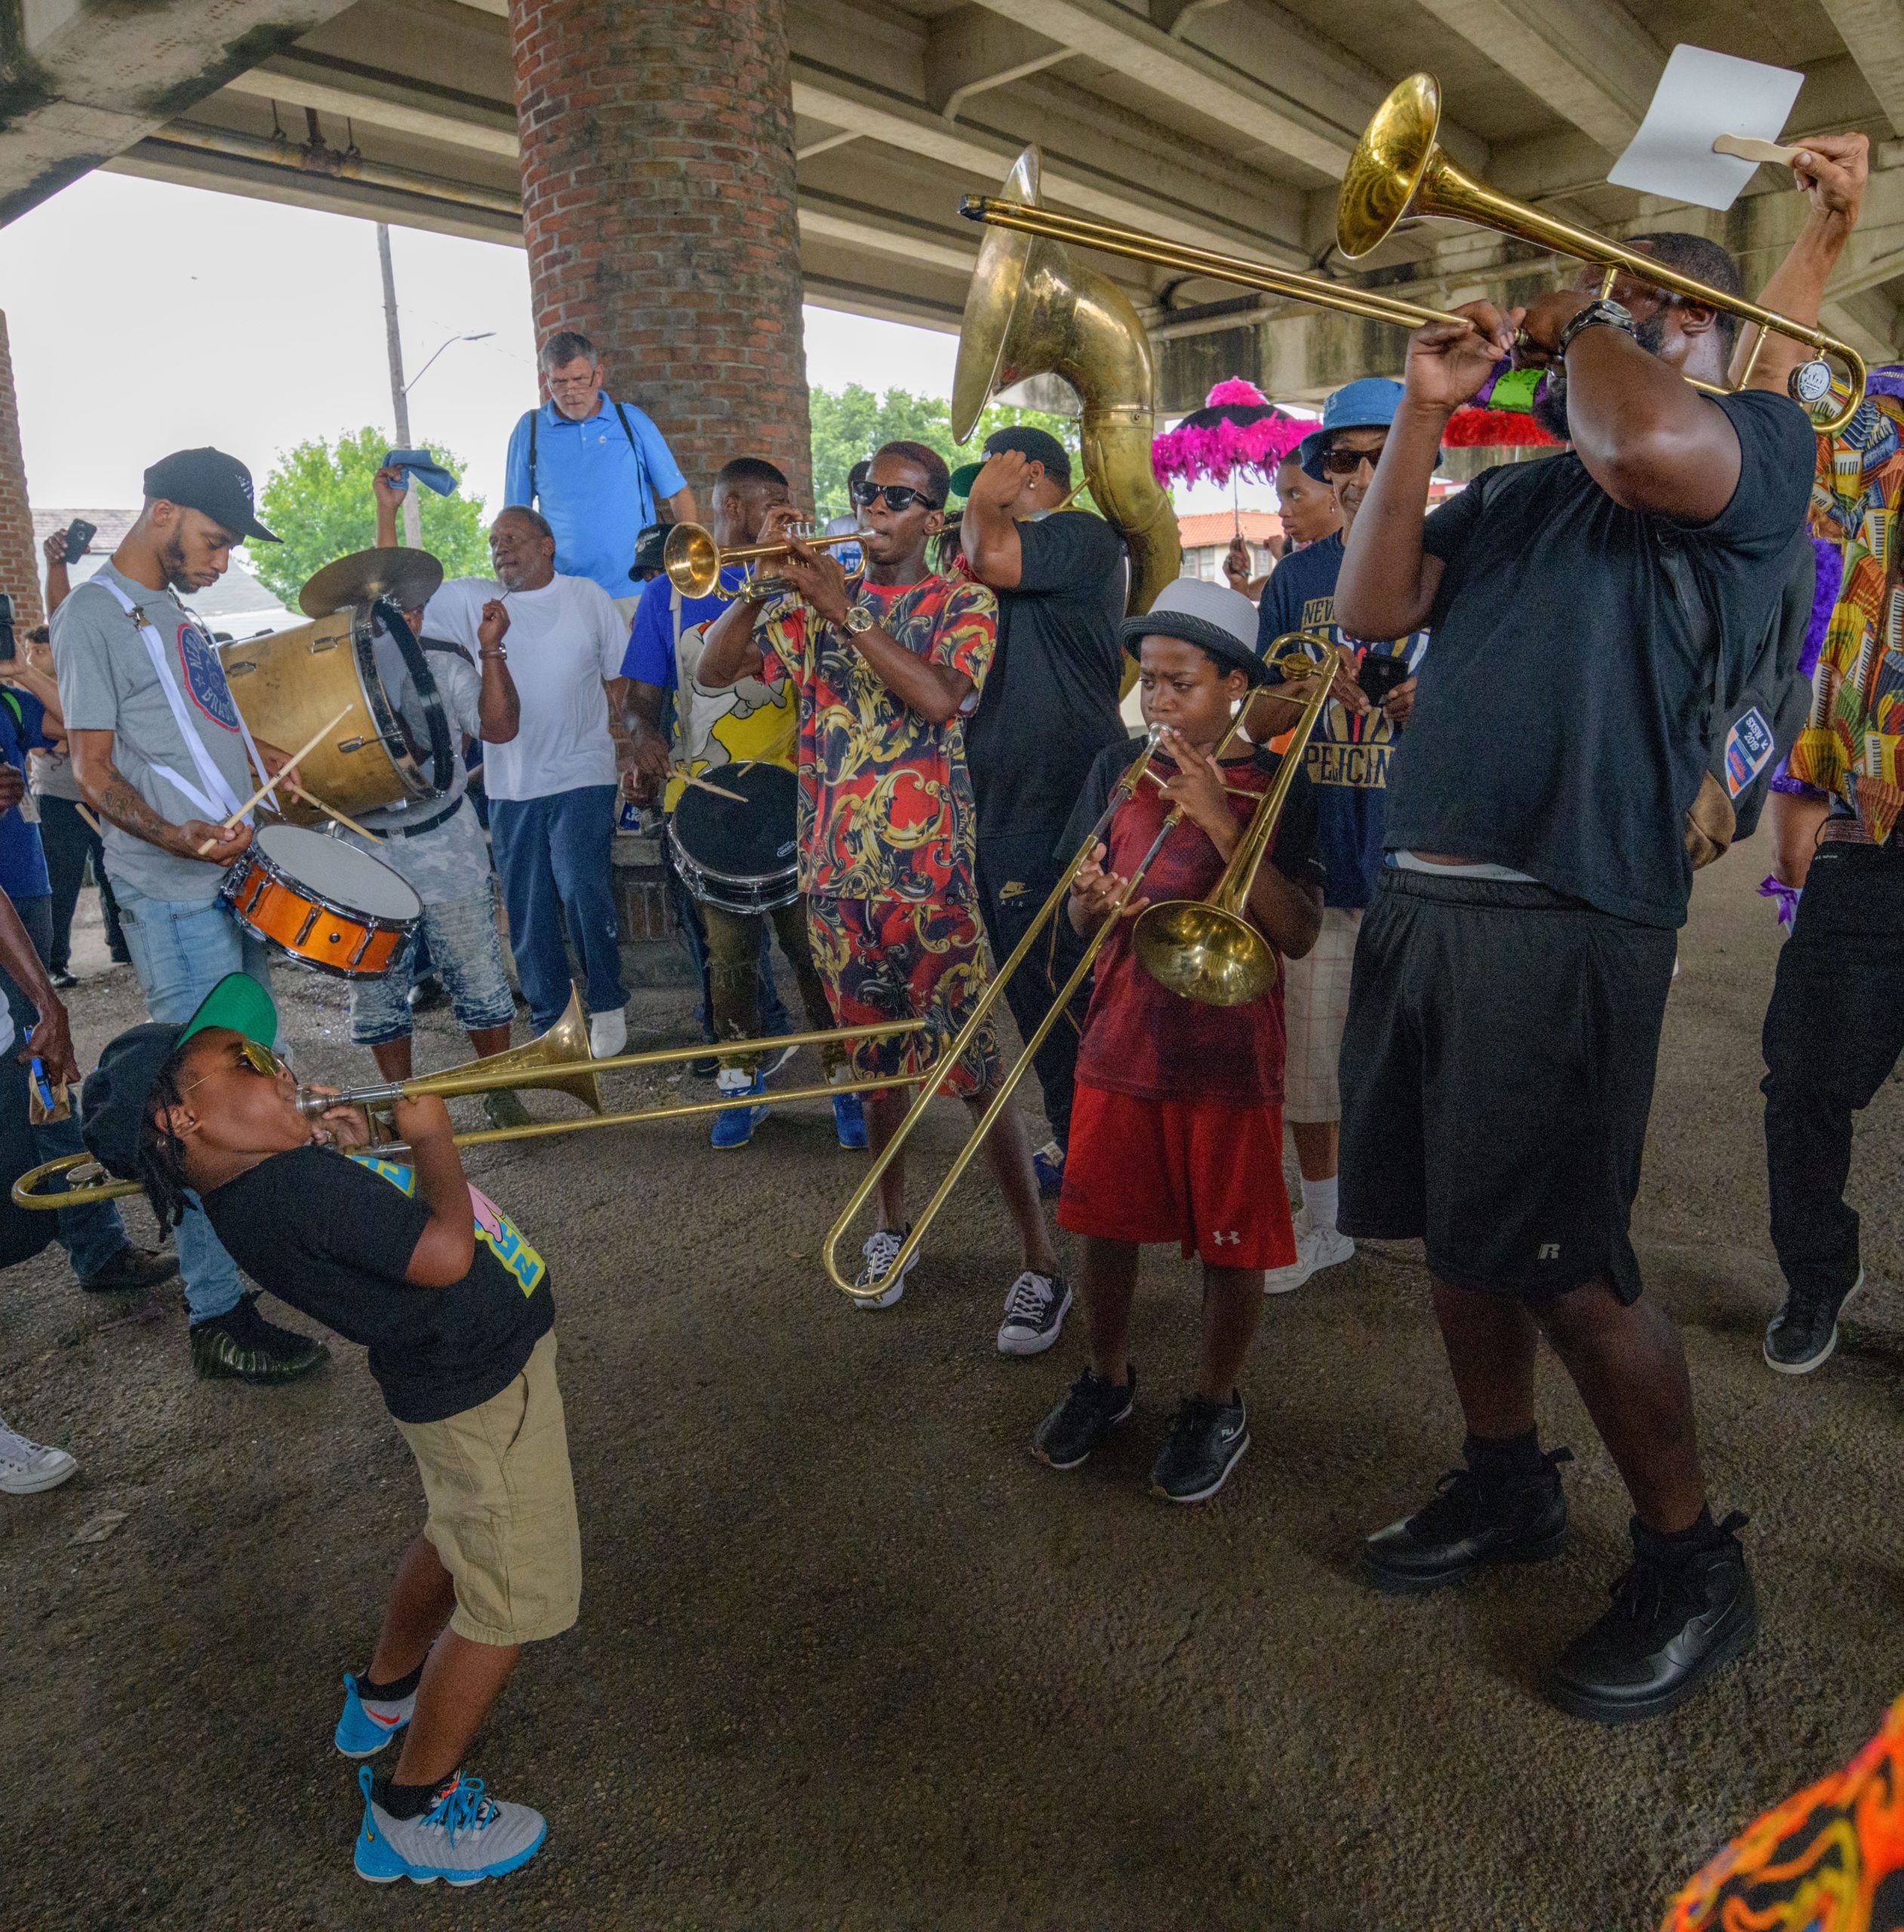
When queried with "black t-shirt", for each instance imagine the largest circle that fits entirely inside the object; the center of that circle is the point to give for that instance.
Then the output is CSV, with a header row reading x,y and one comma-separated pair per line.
x,y
332,1234
1560,728
1050,701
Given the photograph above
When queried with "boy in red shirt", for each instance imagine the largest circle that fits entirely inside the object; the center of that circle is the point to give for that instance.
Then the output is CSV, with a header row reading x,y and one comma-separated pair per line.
x,y
1177,1131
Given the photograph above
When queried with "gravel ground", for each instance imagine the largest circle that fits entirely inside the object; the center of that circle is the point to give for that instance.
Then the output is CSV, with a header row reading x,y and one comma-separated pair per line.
x,y
848,1657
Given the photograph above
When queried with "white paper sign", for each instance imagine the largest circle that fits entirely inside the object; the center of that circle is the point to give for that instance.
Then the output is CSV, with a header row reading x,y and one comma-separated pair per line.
x,y
1701,96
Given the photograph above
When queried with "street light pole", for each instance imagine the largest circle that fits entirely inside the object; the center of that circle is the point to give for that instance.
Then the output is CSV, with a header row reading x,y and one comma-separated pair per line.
x,y
413,526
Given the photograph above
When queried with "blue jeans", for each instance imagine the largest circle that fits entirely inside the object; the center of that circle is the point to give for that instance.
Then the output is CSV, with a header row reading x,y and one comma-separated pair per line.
x,y
91,1236
552,855
181,950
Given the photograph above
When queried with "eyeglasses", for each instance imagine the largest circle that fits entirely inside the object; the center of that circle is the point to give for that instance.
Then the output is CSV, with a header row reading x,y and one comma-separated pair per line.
x,y
252,1058
1346,463
899,495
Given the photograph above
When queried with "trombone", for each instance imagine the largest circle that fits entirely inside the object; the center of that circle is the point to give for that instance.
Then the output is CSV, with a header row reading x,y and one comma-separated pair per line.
x,y
1256,840
558,1060
1400,172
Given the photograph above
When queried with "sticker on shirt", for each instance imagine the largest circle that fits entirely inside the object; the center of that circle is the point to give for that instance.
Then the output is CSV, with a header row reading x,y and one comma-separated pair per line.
x,y
1748,750
494,1228
205,677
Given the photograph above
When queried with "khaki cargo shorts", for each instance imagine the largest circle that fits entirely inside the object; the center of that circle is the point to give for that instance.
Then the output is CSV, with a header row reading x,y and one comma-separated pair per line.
x,y
502,1508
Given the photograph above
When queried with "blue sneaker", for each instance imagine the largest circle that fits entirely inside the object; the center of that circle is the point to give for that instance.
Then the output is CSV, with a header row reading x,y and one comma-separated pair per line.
x,y
849,1120
1047,1163
733,1127
463,1837
366,1727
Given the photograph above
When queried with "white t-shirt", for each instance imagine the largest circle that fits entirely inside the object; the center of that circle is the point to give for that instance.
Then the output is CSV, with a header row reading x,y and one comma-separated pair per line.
x,y
563,640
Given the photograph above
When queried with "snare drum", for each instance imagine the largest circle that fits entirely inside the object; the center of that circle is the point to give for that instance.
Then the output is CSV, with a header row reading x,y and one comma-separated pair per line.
x,y
743,858
323,904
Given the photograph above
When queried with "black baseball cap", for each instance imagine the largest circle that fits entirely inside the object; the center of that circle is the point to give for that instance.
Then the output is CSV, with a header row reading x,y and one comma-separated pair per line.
x,y
1034,445
117,1096
648,546
208,481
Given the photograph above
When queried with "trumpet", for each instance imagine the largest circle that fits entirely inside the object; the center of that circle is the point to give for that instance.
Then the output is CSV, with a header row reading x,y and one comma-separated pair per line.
x,y
558,1060
694,561
1262,829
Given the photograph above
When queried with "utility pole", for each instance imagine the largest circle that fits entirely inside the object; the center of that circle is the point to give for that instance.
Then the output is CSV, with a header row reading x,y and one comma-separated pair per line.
x,y
413,524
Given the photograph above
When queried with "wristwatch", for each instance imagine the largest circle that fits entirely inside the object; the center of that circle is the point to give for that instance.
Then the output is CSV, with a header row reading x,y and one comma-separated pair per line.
x,y
859,620
1601,314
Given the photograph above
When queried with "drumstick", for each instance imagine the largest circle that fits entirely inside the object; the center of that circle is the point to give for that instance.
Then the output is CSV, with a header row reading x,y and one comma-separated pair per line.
x,y
330,811
707,785
272,784
88,818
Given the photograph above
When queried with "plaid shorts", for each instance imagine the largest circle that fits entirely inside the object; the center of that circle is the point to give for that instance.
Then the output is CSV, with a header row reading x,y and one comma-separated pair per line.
x,y
1315,1003
893,959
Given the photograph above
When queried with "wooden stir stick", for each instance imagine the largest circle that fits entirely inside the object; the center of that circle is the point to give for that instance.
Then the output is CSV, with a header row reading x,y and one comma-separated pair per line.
x,y
272,784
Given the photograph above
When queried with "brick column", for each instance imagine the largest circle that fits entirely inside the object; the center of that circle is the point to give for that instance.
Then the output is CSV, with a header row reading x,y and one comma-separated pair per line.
x,y
19,556
658,208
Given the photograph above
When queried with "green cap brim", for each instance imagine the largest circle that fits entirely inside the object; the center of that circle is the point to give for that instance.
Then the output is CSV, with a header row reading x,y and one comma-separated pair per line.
x,y
964,476
239,1002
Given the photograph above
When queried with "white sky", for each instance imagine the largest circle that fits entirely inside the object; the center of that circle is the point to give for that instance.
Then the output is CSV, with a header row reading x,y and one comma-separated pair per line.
x,y
146,318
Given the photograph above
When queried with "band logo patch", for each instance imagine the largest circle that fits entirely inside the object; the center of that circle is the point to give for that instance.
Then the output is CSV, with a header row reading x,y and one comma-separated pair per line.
x,y
1748,750
205,677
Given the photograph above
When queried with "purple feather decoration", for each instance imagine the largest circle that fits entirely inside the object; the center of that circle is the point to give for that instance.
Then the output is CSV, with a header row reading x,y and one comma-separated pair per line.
x,y
1824,600
1786,896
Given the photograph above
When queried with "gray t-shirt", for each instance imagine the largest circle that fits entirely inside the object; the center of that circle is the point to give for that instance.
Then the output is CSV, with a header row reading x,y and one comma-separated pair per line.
x,y
451,860
107,683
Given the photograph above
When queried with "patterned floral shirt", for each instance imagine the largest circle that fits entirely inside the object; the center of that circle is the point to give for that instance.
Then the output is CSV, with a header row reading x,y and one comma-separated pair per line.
x,y
1853,744
886,809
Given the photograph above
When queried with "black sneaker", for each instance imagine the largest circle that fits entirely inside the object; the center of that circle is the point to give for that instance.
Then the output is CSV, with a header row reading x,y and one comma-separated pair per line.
x,y
428,994
1471,1522
1091,1409
1035,1307
241,1343
705,1067
1676,1617
1804,1331
1206,1441
63,977
130,1268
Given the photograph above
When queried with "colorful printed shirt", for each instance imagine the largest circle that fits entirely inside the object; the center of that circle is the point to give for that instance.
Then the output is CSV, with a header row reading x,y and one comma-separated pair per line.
x,y
1853,744
886,808
1830,1859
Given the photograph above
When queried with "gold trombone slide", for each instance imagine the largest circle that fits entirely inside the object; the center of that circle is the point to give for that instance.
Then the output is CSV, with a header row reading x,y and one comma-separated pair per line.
x,y
558,1059
1054,907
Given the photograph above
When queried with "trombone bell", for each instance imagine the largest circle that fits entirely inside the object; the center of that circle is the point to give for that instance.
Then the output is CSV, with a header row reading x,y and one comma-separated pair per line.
x,y
557,1061
1204,953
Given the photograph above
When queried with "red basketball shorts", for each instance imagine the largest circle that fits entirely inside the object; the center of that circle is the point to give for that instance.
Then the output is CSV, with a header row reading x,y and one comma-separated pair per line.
x,y
1207,1175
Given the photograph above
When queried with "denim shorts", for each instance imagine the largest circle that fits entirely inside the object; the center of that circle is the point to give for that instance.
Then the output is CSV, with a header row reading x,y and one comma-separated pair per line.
x,y
464,948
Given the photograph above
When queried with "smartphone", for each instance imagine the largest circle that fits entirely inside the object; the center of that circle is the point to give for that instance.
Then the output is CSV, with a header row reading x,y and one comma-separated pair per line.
x,y
6,628
1378,676
79,536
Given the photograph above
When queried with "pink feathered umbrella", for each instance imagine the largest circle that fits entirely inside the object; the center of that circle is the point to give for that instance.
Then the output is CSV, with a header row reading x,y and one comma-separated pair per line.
x,y
1239,431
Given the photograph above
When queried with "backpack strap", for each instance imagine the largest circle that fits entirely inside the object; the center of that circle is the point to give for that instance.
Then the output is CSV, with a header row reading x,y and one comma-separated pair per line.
x,y
535,417
640,468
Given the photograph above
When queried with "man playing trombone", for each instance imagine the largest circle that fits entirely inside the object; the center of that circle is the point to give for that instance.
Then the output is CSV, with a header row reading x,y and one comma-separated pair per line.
x,y
1512,975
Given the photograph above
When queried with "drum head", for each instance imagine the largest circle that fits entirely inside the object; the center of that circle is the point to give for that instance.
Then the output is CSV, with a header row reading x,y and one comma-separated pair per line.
x,y
341,875
728,840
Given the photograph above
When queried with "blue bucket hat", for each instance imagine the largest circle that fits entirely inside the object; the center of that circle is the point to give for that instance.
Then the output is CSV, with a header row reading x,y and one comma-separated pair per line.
x,y
1368,404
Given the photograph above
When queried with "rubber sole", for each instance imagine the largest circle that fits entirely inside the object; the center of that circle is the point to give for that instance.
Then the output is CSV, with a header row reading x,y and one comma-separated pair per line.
x,y
1575,1704
1398,1583
1824,1354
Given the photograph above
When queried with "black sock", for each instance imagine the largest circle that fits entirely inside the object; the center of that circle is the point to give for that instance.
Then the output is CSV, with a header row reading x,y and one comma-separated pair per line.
x,y
1504,1458
1698,1536
392,1693
409,1800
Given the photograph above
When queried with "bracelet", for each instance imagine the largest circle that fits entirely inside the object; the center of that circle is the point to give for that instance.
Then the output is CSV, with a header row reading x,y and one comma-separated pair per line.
x,y
500,651
1596,315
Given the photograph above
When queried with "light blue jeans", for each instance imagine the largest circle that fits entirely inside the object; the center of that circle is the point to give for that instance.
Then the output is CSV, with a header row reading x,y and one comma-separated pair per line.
x,y
181,950
464,950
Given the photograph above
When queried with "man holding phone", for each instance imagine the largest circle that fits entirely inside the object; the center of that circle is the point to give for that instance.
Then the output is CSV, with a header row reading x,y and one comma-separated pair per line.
x,y
1347,765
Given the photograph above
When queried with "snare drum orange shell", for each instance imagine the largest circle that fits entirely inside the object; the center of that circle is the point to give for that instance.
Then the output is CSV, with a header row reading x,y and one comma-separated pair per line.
x,y
322,903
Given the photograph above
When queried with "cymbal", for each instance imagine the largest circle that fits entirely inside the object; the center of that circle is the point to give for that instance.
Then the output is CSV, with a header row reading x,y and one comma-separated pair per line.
x,y
407,577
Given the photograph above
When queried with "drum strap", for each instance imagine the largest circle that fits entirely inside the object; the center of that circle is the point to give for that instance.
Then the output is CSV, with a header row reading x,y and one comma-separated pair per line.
x,y
217,800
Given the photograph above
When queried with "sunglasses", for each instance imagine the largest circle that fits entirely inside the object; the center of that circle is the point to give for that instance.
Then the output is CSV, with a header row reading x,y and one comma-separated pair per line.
x,y
899,495
252,1058
1346,463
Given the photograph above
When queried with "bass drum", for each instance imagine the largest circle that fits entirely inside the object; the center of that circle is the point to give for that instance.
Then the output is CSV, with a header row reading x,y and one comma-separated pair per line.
x,y
741,857
322,903
287,685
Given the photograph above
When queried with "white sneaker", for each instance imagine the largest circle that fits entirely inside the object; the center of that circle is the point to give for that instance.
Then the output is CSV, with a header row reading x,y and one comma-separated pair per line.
x,y
881,1252
1315,1248
1035,1311
26,1468
465,1837
607,1033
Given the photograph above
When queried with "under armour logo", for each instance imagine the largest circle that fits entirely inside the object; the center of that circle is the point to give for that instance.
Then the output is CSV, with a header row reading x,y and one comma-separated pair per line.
x,y
1550,1251
1230,1235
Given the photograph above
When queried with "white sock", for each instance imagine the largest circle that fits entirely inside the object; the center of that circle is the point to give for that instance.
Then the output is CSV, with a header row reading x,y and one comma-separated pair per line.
x,y
1319,1202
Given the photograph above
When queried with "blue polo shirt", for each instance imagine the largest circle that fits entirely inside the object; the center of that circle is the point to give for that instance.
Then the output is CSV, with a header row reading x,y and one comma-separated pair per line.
x,y
597,484
23,862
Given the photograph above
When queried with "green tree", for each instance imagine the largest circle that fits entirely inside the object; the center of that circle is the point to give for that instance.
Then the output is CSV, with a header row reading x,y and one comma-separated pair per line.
x,y
850,424
318,498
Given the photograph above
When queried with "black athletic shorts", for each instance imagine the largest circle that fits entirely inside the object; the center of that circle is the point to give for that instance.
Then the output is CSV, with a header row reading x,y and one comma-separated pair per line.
x,y
1497,1066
